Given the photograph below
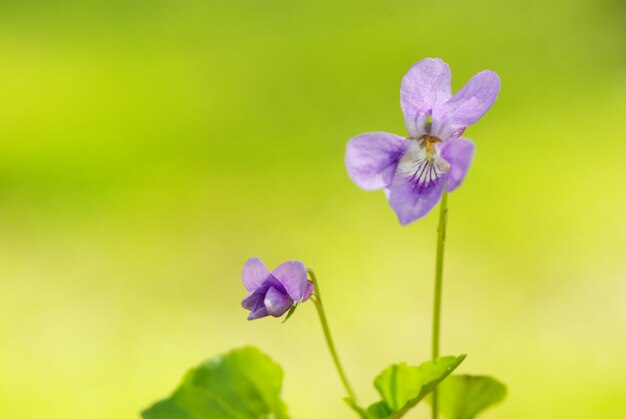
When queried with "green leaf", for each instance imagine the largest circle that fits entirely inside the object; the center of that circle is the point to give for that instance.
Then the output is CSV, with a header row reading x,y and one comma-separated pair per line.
x,y
290,312
166,409
464,396
242,384
379,410
402,387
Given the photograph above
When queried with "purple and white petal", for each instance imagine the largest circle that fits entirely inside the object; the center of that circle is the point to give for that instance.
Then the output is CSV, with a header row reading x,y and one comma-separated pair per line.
x,y
277,303
417,184
459,153
371,159
254,273
425,86
467,106
410,206
292,275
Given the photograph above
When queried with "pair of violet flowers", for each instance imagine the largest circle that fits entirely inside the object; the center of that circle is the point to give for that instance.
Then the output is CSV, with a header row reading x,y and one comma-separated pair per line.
x,y
415,172
412,171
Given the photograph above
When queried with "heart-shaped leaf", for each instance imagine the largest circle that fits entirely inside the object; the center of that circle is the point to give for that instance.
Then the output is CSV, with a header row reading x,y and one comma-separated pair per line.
x,y
242,384
402,387
464,396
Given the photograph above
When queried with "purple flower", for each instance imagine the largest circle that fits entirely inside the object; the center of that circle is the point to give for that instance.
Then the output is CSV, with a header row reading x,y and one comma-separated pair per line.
x,y
273,294
414,171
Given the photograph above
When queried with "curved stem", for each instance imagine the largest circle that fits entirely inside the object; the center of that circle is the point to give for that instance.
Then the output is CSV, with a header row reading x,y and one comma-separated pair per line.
x,y
441,238
317,300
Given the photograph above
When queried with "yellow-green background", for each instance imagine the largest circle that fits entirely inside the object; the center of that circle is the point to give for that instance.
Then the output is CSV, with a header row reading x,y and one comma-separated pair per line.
x,y
148,148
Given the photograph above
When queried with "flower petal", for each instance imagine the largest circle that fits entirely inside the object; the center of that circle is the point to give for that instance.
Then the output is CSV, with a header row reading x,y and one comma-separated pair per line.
x,y
292,275
255,302
459,153
277,303
258,313
308,291
467,106
417,184
252,300
254,273
409,205
371,159
425,86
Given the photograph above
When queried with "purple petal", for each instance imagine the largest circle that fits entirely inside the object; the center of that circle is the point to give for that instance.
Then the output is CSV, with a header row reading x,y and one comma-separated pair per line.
x,y
409,205
252,300
417,184
258,313
308,291
425,86
467,106
277,303
459,153
371,159
255,302
254,273
292,275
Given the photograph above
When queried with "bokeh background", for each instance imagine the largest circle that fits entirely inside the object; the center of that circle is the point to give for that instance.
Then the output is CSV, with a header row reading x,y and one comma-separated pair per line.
x,y
148,148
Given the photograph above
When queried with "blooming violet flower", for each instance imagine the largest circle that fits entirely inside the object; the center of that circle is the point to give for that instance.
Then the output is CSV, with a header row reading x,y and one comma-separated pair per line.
x,y
414,171
273,294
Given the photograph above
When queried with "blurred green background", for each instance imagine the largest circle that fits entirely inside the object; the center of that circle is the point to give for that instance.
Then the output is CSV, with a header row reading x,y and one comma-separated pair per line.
x,y
148,148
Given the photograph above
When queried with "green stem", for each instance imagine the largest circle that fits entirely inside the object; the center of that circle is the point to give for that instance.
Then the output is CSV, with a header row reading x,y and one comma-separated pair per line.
x,y
317,300
441,238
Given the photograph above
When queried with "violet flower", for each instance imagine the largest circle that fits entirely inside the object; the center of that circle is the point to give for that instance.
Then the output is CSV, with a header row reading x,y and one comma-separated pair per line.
x,y
273,294
414,171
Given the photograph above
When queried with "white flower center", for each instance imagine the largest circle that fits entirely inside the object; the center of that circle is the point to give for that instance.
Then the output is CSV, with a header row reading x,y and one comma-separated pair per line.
x,y
422,165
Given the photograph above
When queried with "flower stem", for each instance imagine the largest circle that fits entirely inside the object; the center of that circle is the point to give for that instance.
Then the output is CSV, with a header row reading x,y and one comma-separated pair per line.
x,y
441,238
317,300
